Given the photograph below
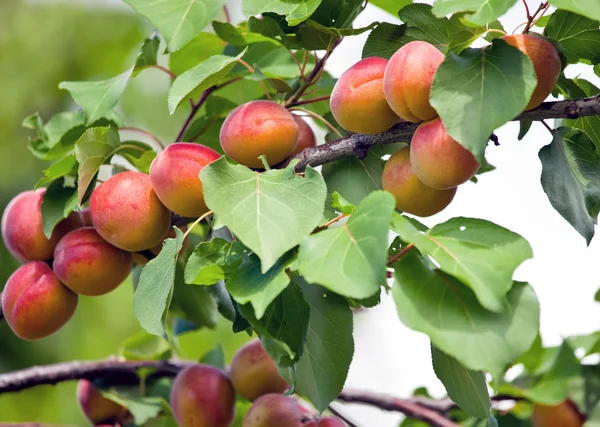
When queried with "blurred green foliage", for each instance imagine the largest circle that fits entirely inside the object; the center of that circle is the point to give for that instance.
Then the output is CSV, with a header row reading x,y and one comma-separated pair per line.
x,y
42,44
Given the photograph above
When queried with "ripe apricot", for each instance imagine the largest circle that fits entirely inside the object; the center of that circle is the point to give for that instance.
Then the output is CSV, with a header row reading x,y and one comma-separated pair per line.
x,y
35,303
412,196
546,63
259,128
89,265
564,414
306,138
358,101
202,396
175,177
97,408
437,159
253,372
273,410
331,422
127,213
408,79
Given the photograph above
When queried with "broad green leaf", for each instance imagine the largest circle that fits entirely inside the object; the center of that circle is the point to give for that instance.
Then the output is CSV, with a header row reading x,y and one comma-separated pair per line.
x,y
482,254
269,26
148,55
295,11
351,260
272,60
339,203
215,357
321,372
95,147
58,202
590,125
390,6
143,346
490,86
139,154
571,178
579,37
248,285
196,304
270,212
384,40
153,294
202,47
178,20
200,78
588,8
467,388
144,409
65,166
97,98
213,261
481,11
240,35
430,301
319,37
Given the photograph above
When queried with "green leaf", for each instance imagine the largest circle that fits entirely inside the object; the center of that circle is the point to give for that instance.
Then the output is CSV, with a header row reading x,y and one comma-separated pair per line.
x,y
295,11
321,372
483,11
97,98
270,212
153,294
94,148
482,254
143,346
144,409
202,47
58,202
390,6
194,303
524,126
590,125
351,260
342,205
272,60
316,36
467,388
571,178
271,26
148,55
178,20
213,261
432,302
579,37
248,285
215,357
139,154
200,78
240,35
490,86
65,166
588,8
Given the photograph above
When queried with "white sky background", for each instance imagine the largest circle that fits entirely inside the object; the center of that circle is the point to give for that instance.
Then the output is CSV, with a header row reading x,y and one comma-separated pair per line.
x,y
392,359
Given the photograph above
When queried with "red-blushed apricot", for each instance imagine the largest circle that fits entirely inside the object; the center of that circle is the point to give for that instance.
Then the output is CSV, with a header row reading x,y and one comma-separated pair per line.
x,y
202,396
358,101
34,302
253,373
412,196
306,138
273,410
259,128
437,159
331,422
408,79
175,177
546,63
97,408
89,265
565,414
128,214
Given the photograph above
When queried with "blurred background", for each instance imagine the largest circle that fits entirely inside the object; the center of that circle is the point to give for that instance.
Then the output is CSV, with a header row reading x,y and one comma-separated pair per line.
x,y
45,42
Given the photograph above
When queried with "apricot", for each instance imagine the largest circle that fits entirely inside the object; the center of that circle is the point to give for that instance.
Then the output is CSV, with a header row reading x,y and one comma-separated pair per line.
x,y
89,265
412,196
437,159
97,408
253,372
358,101
202,396
273,410
128,214
565,414
331,422
175,177
306,138
86,217
259,128
408,79
546,63
35,303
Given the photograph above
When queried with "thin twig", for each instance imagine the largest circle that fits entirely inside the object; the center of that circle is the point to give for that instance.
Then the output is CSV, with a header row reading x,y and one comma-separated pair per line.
x,y
531,18
310,101
400,254
527,10
143,132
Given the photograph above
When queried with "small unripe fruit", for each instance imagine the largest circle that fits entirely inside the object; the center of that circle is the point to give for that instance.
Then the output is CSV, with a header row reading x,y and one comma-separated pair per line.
x,y
89,265
202,396
358,101
273,410
127,213
34,302
306,138
253,372
437,159
412,196
408,79
259,128
546,63
97,408
565,414
175,177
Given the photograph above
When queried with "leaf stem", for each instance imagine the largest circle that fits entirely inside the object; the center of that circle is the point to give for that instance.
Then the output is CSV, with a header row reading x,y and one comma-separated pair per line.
x,y
251,69
527,9
400,254
191,227
330,222
143,132
165,70
320,118
531,20
547,126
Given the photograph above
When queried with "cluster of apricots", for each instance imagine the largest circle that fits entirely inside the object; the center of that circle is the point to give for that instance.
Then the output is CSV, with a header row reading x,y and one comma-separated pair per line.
x,y
204,396
375,93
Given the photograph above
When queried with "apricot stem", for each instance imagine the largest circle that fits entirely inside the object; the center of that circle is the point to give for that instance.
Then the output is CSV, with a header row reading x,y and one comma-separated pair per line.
x,y
321,118
196,223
